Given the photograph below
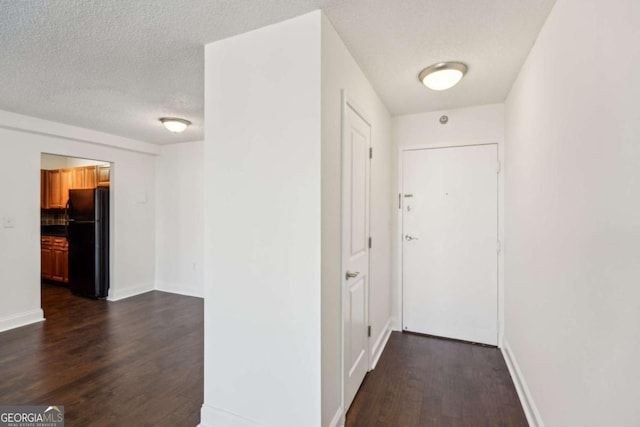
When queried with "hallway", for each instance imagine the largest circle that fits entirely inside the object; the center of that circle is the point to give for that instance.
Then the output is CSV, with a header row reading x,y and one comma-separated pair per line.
x,y
425,381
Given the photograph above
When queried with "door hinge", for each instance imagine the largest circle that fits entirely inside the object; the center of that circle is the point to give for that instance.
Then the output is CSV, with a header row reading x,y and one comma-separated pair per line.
x,y
369,331
498,246
369,242
371,152
499,167
399,201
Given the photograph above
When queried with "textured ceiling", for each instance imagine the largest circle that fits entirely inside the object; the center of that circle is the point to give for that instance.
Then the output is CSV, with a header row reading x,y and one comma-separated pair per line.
x,y
394,40
118,65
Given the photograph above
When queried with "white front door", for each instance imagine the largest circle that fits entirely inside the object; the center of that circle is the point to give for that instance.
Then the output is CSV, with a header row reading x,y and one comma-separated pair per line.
x,y
356,141
449,251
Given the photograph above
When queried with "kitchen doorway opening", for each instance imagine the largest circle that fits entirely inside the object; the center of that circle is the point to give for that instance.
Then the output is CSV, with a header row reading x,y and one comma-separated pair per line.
x,y
75,208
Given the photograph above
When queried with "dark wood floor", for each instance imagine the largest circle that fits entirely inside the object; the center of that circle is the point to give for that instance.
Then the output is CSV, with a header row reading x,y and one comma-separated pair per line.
x,y
139,362
135,362
425,381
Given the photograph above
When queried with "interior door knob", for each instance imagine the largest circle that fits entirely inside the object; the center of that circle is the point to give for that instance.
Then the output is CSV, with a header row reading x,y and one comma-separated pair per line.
x,y
409,238
350,275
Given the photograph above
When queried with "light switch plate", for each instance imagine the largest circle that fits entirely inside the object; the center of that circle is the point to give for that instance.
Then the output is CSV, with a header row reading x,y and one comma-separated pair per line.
x,y
8,222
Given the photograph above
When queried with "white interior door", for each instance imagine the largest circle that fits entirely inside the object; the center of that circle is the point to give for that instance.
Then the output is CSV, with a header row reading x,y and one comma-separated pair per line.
x,y
449,250
355,250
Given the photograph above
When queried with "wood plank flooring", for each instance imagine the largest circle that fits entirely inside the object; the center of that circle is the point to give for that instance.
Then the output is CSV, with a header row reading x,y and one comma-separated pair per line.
x,y
426,381
135,362
139,362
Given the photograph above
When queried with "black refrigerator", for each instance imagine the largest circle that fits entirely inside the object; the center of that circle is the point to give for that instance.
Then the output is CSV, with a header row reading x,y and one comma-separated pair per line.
x,y
88,237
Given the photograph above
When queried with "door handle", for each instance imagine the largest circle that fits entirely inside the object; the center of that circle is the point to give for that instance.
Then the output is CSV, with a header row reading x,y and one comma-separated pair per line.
x,y
409,238
350,275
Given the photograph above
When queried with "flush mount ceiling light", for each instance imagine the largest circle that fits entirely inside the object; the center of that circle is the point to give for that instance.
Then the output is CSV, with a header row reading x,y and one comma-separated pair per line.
x,y
173,124
443,75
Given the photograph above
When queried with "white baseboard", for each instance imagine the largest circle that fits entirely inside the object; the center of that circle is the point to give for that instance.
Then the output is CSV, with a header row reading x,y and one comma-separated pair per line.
x,y
529,406
21,319
338,419
178,289
118,294
215,417
379,345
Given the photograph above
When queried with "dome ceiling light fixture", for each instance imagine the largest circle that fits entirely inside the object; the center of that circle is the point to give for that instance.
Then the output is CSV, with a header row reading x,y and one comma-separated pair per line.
x,y
443,75
173,124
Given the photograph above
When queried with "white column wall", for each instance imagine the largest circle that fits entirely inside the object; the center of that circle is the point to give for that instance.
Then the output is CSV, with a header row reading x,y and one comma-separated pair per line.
x,y
262,227
180,219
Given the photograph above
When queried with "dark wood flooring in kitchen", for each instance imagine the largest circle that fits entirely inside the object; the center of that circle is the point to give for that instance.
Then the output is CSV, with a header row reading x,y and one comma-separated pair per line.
x,y
135,362
425,381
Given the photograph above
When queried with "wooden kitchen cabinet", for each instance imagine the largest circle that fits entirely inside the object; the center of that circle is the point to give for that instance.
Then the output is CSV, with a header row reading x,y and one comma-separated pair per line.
x,y
83,177
60,260
44,200
55,184
66,176
76,178
89,177
103,175
45,257
54,258
58,184
54,189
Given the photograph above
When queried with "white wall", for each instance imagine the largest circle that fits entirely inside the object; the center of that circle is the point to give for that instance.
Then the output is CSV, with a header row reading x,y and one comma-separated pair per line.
x,y
340,71
573,216
480,124
262,227
180,218
132,263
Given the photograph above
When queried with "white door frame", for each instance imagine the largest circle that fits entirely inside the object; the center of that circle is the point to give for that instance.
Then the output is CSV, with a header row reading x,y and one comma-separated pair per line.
x,y
399,222
347,102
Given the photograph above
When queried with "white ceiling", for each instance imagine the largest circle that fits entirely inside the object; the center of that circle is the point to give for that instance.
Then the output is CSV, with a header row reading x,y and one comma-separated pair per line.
x,y
118,65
